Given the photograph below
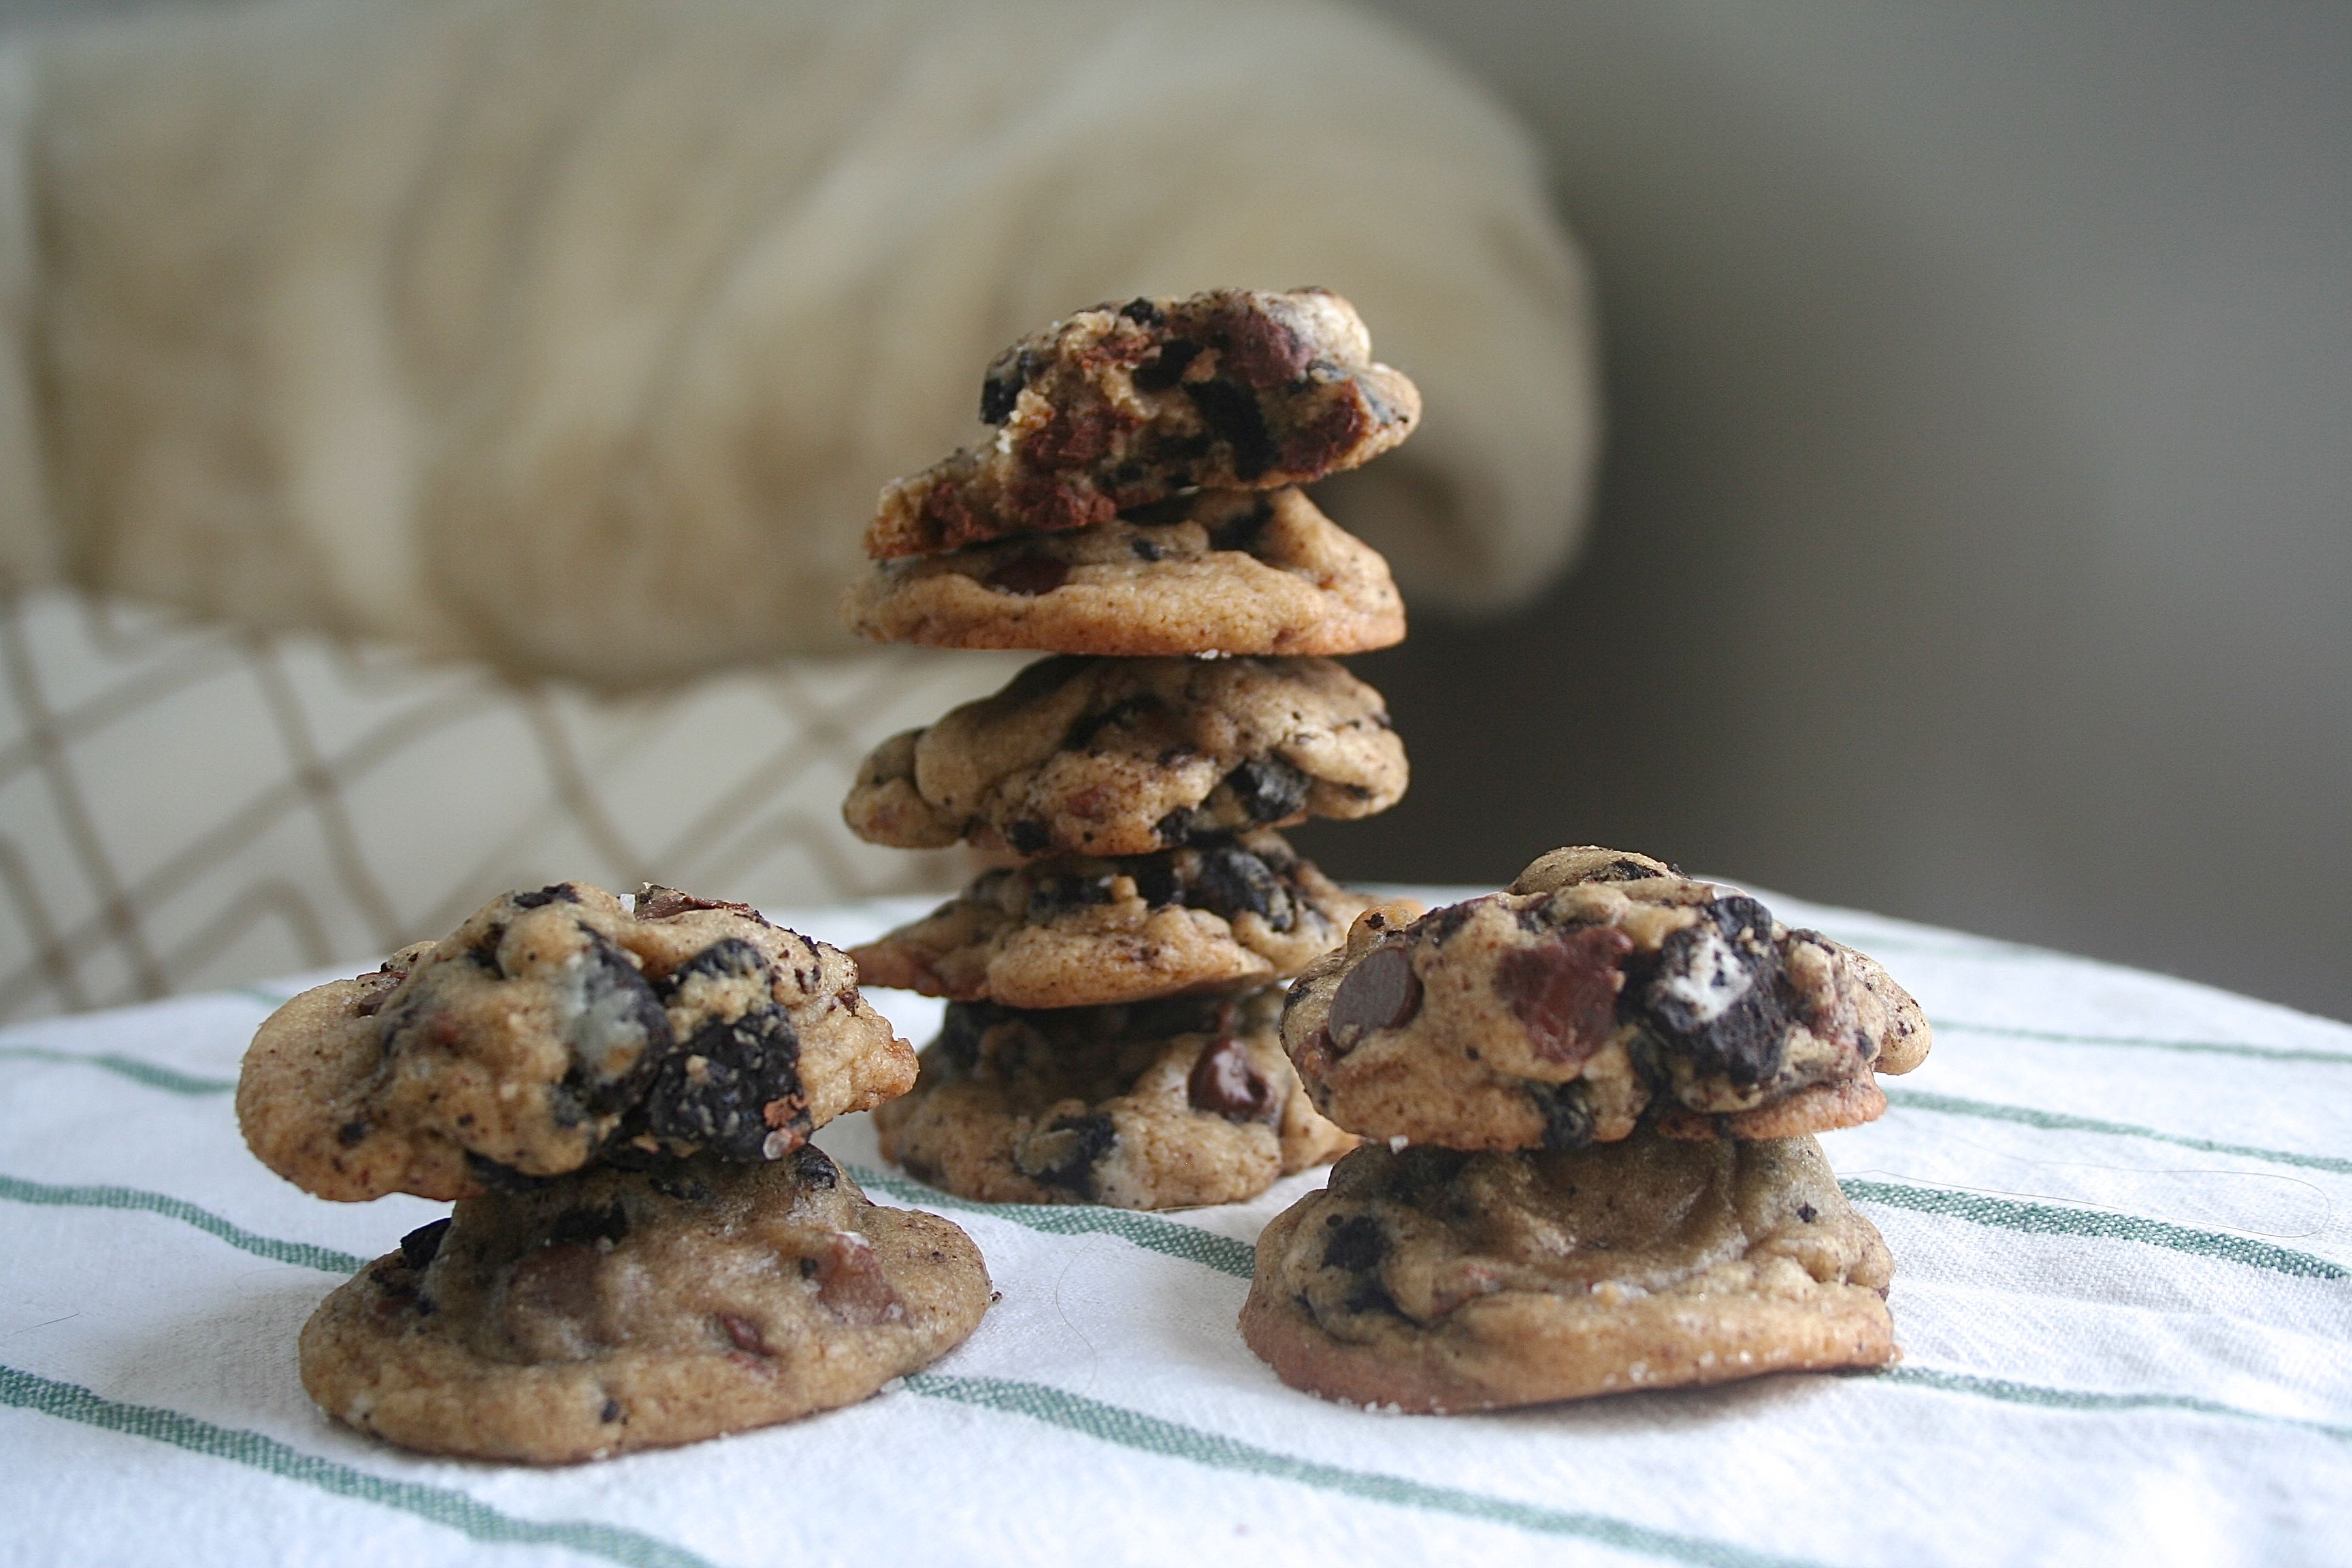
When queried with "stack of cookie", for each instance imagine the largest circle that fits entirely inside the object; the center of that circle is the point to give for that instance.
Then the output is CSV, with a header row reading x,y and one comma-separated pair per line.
x,y
646,1249
1595,1095
1114,988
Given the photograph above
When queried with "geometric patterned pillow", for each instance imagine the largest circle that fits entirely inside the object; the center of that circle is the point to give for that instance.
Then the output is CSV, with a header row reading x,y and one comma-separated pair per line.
x,y
187,805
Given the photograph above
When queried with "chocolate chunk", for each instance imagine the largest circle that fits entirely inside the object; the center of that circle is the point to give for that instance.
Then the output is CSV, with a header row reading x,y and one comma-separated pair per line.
x,y
613,1025
1380,992
1231,411
551,1302
1000,388
421,1246
1066,1152
555,892
1051,894
587,1227
1356,1243
728,958
1716,994
1159,374
1142,311
851,1285
1227,880
350,1132
1178,826
1243,533
1622,870
1269,789
1568,1117
1155,879
1564,989
1264,350
959,1035
1144,549
655,903
1223,1083
1028,575
814,1168
734,1089
500,1178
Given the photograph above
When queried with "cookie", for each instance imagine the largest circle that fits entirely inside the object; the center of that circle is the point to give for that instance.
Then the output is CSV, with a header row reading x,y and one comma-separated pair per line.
x,y
1161,1105
1230,572
1125,404
620,1309
1603,986
1434,1280
1079,932
555,1028
1093,756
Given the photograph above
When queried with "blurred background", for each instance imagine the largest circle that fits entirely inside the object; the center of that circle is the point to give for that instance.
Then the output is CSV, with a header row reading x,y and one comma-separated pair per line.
x,y
1971,533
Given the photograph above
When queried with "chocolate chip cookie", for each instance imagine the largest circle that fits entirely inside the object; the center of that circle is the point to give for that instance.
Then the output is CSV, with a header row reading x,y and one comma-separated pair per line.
x,y
1124,405
1434,1280
556,1028
1096,757
1230,572
1603,986
619,1310
1080,931
1156,1106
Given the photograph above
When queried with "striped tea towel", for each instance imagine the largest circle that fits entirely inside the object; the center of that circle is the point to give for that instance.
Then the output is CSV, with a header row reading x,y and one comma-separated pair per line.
x,y
2124,1289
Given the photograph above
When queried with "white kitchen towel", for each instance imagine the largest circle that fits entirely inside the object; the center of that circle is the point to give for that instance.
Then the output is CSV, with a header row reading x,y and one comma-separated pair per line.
x,y
2124,1290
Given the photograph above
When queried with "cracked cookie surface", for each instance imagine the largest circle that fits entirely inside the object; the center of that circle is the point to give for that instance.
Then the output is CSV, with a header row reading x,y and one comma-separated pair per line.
x,y
1434,1281
1603,987
1128,404
1078,930
556,1028
1160,1105
1230,572
1096,757
620,1309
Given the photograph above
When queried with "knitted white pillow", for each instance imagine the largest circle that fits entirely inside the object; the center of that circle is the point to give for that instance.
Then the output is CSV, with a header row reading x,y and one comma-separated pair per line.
x,y
579,334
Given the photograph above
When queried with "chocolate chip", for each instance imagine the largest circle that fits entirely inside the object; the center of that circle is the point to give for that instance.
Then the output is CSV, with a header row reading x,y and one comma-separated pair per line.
x,y
1231,411
655,903
1380,992
851,1284
421,1246
1715,993
1083,733
1144,549
1356,1244
1143,312
586,1227
1223,1083
611,1412
1227,880
728,958
1066,1152
1269,789
1624,871
1243,532
555,892
1178,826
1160,373
959,1035
1564,990
1568,1117
1028,575
350,1132
500,1178
1807,1212
1000,388
731,1085
813,1168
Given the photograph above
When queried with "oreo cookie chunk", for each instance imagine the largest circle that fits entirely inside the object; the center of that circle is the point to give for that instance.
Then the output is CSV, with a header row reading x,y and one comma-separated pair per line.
x,y
1098,756
613,1310
1159,1105
1601,988
1077,932
1434,1280
1233,572
556,1028
1125,404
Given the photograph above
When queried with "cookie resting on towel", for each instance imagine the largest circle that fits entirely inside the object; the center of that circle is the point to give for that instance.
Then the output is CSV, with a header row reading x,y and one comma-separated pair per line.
x,y
1234,571
1601,987
1125,404
1099,756
1434,1280
1078,931
1159,1105
619,1310
556,1028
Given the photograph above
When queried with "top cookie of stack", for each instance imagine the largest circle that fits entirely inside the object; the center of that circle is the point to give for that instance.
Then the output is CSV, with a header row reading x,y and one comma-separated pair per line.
x,y
1137,512
1138,496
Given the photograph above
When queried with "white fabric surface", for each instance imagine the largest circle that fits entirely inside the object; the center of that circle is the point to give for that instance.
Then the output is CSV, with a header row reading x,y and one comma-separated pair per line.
x,y
2124,1289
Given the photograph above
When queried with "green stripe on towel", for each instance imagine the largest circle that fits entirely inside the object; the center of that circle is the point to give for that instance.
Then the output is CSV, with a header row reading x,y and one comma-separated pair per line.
x,y
132,1200
2135,1042
2048,1219
1221,1253
2089,1400
132,1068
480,1521
2058,1122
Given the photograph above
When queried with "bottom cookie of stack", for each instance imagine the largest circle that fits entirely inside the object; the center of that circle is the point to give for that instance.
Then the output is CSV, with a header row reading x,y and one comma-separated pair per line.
x,y
614,1309
1156,1105
1433,1281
